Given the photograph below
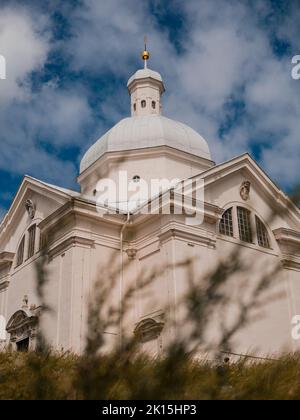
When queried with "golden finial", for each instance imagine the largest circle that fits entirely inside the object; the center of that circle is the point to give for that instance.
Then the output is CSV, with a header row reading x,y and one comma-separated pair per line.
x,y
145,53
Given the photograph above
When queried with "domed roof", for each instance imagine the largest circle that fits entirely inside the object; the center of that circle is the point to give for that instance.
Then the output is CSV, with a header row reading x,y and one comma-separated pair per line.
x,y
146,132
144,74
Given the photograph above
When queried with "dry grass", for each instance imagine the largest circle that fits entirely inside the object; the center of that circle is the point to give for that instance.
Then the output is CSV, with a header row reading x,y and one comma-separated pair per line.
x,y
53,377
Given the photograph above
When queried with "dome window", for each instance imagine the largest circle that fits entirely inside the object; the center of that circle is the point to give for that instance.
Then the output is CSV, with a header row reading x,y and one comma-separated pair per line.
x,y
143,103
134,107
153,104
136,178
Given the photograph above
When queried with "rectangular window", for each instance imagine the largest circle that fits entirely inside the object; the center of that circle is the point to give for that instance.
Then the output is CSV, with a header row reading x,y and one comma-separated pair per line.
x,y
244,221
31,241
20,254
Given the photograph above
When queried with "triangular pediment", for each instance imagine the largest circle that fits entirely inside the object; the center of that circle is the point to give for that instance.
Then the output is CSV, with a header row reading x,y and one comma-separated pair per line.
x,y
43,197
247,169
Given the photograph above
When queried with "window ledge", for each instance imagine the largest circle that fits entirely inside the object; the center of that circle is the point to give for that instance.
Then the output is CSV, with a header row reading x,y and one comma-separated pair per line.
x,y
253,246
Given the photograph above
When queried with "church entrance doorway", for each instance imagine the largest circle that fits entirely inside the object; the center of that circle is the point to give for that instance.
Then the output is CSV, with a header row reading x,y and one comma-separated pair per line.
x,y
22,328
23,345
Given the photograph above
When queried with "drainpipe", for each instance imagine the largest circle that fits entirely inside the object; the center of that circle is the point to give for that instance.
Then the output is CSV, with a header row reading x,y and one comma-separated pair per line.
x,y
122,278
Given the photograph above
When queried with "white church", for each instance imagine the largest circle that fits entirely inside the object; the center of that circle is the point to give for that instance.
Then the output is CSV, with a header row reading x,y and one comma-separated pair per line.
x,y
242,213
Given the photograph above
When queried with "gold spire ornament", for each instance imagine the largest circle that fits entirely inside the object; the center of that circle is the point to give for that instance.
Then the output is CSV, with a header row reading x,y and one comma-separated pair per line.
x,y
145,54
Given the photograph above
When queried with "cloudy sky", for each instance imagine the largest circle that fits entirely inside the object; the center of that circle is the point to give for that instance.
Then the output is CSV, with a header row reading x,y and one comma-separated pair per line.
x,y
226,66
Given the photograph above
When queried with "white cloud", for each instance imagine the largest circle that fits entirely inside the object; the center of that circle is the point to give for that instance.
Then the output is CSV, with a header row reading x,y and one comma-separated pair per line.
x,y
228,49
24,49
31,117
109,36
59,116
227,54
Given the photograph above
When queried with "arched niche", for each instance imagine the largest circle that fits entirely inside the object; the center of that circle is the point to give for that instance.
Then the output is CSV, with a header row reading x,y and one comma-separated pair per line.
x,y
148,329
22,328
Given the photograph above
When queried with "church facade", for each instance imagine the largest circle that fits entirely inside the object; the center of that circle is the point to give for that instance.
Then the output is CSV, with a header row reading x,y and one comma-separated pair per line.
x,y
242,213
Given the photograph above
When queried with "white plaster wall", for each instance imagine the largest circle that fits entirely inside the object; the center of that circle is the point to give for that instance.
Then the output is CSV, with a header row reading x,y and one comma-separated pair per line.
x,y
148,166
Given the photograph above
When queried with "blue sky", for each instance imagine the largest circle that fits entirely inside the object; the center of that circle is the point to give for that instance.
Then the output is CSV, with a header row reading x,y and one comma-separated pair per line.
x,y
226,66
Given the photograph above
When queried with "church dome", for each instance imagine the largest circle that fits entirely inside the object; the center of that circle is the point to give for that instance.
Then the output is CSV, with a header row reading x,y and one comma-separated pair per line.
x,y
146,128
141,132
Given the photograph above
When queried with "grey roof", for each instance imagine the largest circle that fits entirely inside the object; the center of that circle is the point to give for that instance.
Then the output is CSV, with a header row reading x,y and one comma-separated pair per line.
x,y
145,132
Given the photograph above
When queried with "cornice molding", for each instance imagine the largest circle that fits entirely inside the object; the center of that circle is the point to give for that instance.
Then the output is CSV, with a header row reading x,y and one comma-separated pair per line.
x,y
6,257
4,285
70,243
287,236
290,262
189,235
79,207
112,156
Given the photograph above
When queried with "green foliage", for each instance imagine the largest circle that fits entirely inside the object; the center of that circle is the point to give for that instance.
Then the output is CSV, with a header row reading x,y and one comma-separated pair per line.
x,y
32,376
38,376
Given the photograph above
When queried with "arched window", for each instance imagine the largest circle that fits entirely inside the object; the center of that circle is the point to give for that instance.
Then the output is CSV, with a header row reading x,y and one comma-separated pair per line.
x,y
148,330
136,179
153,104
244,221
250,227
143,103
262,234
20,253
134,107
31,241
226,224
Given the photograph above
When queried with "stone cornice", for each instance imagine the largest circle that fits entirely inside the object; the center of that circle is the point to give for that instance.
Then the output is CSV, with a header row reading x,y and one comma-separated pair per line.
x,y
112,156
69,243
82,207
212,213
6,257
187,234
290,262
56,215
107,241
4,285
287,236
145,81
